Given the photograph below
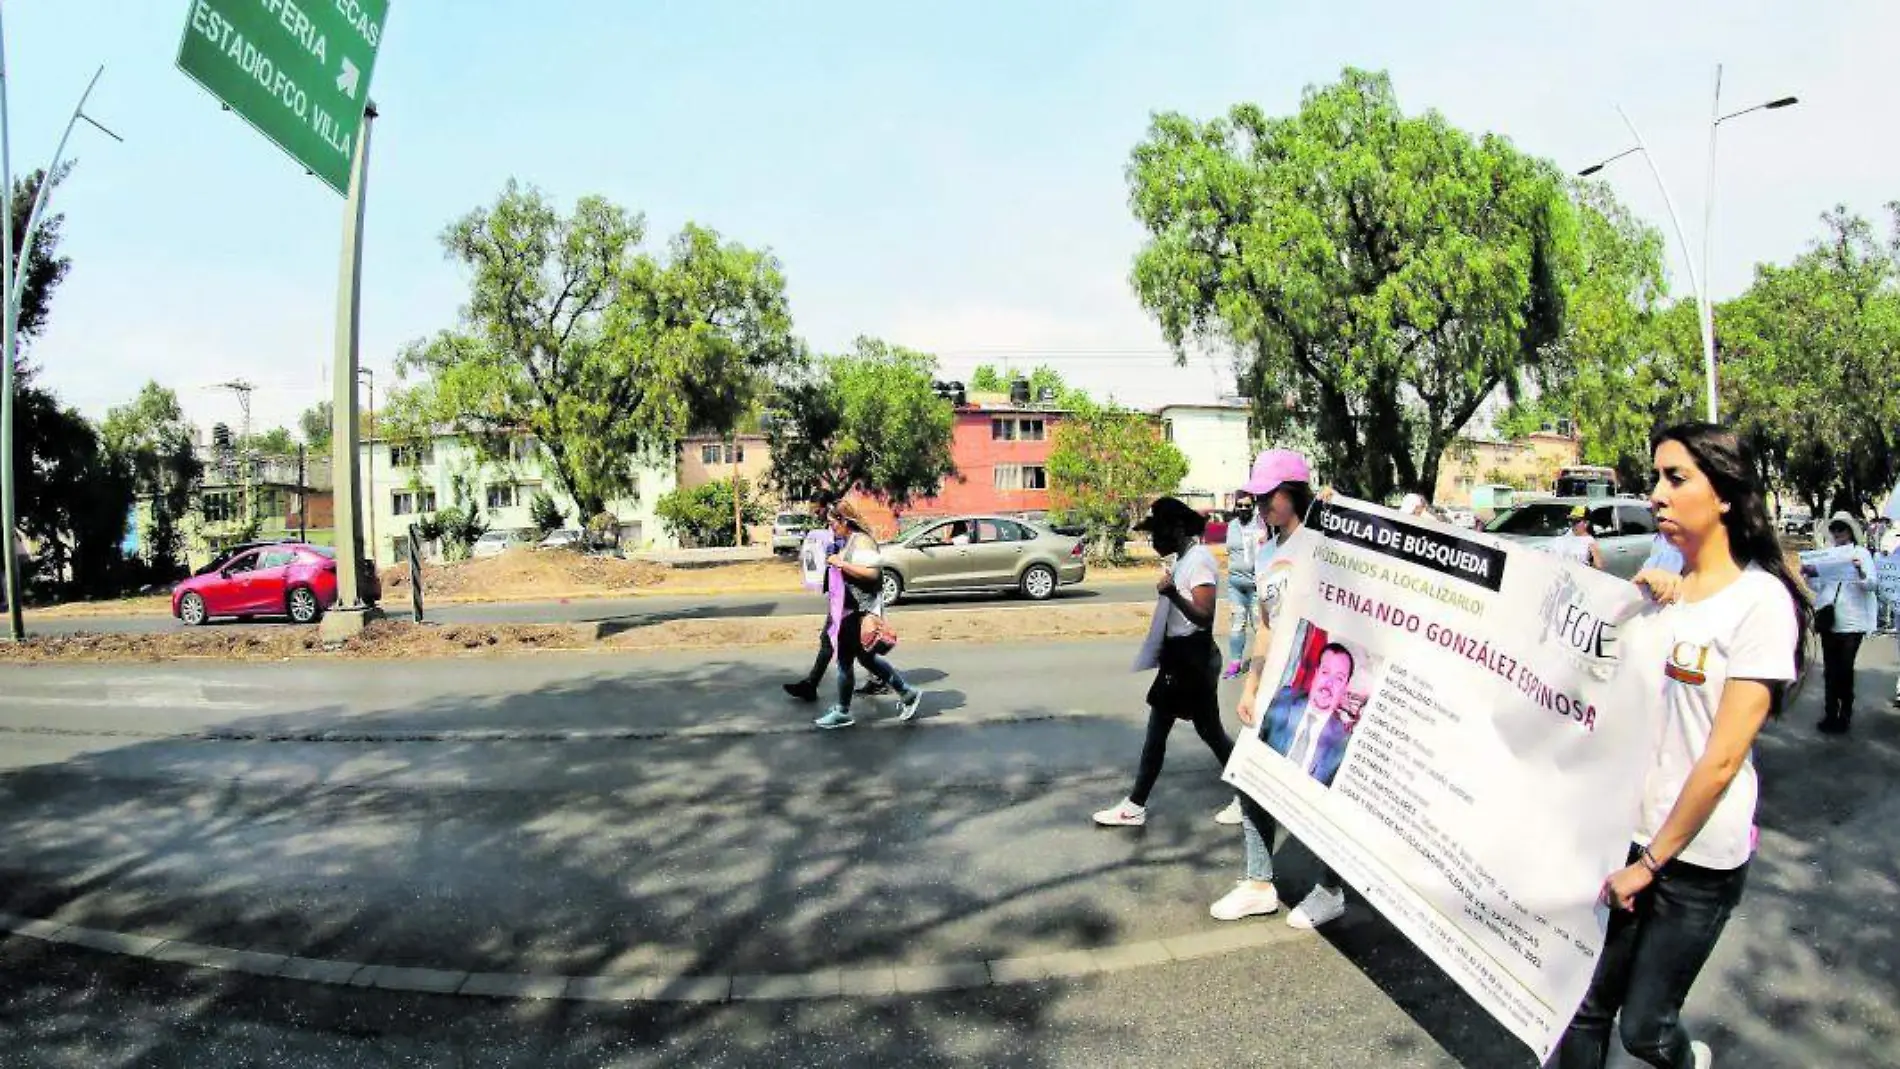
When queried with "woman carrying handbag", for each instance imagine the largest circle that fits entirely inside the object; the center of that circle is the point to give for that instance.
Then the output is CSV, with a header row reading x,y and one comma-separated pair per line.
x,y
859,632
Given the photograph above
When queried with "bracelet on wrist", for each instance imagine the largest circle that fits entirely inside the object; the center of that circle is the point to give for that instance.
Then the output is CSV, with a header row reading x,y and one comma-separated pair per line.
x,y
1649,862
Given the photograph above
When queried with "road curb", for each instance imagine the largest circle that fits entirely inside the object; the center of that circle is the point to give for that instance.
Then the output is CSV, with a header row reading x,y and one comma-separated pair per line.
x,y
855,981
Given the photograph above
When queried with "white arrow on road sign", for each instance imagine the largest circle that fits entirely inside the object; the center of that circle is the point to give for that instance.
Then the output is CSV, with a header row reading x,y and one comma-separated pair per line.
x,y
348,79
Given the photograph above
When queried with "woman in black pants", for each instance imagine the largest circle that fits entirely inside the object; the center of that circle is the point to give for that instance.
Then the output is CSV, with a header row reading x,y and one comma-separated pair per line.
x,y
1187,680
1729,642
1844,613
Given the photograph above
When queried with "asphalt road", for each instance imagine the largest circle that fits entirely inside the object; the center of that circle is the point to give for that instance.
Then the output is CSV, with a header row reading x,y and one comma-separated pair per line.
x,y
591,610
675,815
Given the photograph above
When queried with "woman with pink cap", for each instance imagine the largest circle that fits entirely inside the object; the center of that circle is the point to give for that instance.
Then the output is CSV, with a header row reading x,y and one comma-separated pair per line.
x,y
1282,483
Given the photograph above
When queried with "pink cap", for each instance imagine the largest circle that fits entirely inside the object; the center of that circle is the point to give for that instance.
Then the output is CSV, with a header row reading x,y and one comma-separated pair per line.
x,y
1276,466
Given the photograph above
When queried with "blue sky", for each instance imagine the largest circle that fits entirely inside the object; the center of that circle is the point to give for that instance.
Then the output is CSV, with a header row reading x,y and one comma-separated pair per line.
x,y
948,176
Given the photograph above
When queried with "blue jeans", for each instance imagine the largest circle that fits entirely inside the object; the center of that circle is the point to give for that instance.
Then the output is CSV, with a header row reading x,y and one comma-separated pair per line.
x,y
1242,592
1650,960
1256,831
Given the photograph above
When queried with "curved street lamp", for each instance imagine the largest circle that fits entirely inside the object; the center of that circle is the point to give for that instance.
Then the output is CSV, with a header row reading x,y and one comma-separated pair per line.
x,y
1698,283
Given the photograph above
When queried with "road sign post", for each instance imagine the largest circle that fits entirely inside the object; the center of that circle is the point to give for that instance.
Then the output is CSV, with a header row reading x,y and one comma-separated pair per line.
x,y
297,70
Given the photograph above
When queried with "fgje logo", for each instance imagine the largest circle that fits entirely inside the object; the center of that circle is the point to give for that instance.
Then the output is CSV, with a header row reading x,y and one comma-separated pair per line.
x,y
1589,639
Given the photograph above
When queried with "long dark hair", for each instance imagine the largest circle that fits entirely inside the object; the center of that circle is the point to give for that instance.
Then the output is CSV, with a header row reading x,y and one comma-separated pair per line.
x,y
1300,496
1730,467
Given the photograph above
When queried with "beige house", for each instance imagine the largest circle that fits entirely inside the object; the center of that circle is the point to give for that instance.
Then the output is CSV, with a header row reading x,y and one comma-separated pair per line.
x,y
710,459
1529,463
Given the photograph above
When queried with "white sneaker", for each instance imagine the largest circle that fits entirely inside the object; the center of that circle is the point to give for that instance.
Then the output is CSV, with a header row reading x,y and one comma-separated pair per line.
x,y
1230,816
1245,901
1704,1057
1125,815
1320,907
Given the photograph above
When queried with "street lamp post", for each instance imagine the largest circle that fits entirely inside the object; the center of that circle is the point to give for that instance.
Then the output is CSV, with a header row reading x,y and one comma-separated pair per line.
x,y
12,292
1698,285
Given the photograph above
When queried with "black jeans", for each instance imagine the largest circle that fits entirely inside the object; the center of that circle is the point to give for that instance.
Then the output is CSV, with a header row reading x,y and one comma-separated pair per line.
x,y
823,661
1838,651
1154,750
1650,960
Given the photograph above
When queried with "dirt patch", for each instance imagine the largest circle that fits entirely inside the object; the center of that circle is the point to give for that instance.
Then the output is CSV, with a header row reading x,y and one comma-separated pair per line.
x,y
393,639
523,574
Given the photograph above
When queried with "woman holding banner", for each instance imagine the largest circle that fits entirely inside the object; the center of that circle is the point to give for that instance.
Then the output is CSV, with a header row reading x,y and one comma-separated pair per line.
x,y
1282,484
1729,639
1843,614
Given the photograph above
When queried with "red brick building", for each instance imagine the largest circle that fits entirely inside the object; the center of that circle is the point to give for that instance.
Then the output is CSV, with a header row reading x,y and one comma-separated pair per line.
x,y
1001,451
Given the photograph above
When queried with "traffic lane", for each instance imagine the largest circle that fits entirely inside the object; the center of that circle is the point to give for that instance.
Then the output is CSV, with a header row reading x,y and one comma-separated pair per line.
x,y
75,1007
602,610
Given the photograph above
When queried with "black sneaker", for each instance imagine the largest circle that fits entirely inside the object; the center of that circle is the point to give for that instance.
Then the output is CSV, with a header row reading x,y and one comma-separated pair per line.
x,y
874,687
803,690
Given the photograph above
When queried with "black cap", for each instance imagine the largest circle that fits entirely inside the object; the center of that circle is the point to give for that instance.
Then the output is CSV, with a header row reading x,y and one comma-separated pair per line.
x,y
1173,512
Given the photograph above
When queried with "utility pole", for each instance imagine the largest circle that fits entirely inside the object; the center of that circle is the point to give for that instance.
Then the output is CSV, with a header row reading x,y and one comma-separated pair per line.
x,y
247,463
303,495
738,499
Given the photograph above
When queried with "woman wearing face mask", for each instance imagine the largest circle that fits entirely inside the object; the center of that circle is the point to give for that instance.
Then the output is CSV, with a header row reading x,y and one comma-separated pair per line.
x,y
1729,639
1844,613
1187,681
1283,483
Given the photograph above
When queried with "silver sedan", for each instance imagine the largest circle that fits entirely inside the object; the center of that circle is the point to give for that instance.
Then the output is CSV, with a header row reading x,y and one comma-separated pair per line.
x,y
981,553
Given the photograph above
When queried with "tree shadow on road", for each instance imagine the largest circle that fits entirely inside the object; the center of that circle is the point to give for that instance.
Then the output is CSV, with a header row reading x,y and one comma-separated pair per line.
x,y
750,852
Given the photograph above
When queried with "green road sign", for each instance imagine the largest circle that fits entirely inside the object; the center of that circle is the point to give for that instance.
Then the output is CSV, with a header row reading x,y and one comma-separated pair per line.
x,y
297,70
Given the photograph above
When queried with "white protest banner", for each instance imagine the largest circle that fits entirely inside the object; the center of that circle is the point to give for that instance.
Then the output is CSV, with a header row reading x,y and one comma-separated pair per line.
x,y
1833,565
1446,721
1889,578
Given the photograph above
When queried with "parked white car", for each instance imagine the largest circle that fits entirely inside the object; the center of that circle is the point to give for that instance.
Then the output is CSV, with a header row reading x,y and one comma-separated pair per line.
x,y
565,538
495,543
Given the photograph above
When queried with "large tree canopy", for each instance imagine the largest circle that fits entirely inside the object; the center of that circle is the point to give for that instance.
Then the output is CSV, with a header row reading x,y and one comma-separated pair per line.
x,y
151,437
1810,363
604,353
1378,274
867,421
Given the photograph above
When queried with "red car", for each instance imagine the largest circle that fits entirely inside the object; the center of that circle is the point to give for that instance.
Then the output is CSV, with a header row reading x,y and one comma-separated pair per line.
x,y
291,579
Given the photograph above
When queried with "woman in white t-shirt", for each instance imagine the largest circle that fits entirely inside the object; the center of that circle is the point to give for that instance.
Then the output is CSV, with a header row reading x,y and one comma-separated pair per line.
x,y
1855,608
1578,543
1187,680
1729,640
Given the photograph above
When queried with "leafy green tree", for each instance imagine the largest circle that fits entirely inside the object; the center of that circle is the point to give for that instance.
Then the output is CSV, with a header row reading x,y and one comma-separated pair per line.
x,y
1380,274
867,421
547,515
702,516
987,379
45,268
1810,361
1621,373
152,437
605,354
273,442
456,528
1105,465
75,497
317,424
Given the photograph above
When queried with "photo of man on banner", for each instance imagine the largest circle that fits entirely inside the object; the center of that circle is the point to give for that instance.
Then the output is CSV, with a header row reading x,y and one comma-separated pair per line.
x,y
1313,713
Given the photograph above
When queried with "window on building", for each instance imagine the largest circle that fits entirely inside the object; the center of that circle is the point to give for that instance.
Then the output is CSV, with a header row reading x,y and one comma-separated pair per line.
x,y
1002,430
411,502
501,495
1021,477
721,453
1029,430
412,456
523,449
709,453
1012,429
220,506
1167,431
